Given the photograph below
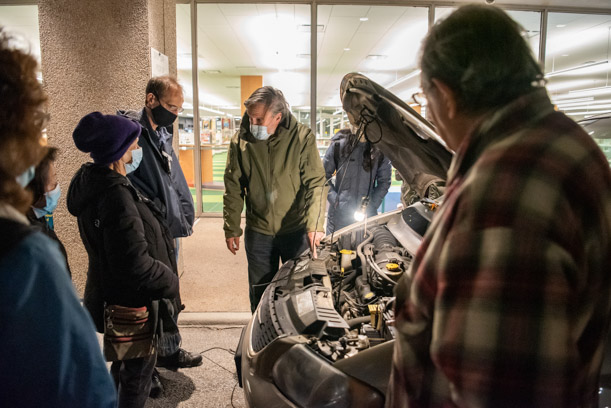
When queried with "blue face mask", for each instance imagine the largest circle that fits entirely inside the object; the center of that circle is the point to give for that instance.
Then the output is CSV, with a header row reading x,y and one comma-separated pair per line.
x,y
52,197
27,176
259,132
136,159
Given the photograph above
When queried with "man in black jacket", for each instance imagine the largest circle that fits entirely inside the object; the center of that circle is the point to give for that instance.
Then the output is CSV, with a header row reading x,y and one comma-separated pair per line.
x,y
160,178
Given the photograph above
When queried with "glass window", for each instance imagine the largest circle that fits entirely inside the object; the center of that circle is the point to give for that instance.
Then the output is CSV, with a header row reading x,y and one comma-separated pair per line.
x,y
186,138
240,48
381,42
577,63
22,23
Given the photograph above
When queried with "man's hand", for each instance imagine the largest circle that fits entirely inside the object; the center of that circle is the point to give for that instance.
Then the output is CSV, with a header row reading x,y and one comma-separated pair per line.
x,y
314,238
233,244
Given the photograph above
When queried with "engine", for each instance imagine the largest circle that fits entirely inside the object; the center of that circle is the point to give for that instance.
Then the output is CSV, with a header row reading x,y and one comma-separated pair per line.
x,y
363,270
342,302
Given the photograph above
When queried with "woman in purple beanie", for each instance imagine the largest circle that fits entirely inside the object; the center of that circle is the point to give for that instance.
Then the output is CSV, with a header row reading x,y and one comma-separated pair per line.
x,y
131,254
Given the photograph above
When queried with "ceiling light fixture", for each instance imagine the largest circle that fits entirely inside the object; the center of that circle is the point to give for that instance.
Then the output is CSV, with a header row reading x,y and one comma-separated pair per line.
x,y
601,90
212,110
346,49
364,18
376,57
576,69
404,78
306,28
590,113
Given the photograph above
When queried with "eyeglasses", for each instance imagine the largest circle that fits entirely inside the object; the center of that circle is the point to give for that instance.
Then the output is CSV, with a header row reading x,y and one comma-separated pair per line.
x,y
173,108
419,98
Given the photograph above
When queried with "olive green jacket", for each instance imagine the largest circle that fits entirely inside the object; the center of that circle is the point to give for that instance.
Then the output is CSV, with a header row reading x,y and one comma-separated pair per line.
x,y
281,179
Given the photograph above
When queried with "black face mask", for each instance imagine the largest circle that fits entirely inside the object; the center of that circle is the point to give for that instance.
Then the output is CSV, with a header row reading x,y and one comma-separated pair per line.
x,y
162,116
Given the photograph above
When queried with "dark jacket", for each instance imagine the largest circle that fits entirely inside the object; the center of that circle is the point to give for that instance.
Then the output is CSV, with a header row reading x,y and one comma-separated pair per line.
x,y
160,178
353,182
131,255
41,225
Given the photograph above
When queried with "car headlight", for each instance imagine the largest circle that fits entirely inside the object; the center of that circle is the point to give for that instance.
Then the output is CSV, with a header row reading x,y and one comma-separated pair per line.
x,y
310,381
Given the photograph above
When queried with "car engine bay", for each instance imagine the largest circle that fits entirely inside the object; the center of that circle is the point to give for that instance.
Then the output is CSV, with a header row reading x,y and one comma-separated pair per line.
x,y
342,302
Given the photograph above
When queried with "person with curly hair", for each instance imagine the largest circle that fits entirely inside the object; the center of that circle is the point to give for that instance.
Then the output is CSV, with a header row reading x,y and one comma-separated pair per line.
x,y
49,354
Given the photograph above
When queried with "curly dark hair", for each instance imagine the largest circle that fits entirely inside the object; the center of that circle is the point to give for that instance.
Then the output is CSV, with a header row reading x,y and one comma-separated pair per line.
x,y
22,118
480,53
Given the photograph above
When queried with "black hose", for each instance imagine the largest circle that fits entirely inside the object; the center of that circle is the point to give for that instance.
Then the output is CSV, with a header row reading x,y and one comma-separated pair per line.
x,y
352,323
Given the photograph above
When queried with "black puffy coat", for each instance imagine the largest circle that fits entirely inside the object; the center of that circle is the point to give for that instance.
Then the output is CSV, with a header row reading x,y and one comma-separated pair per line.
x,y
131,253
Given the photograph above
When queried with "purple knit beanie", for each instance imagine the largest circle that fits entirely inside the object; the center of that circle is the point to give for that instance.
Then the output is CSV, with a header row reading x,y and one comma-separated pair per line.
x,y
105,137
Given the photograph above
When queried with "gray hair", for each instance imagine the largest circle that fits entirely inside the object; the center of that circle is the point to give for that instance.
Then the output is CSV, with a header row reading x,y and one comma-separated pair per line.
x,y
271,98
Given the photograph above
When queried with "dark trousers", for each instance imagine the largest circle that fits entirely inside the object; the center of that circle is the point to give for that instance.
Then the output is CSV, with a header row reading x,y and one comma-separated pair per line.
x,y
133,380
264,253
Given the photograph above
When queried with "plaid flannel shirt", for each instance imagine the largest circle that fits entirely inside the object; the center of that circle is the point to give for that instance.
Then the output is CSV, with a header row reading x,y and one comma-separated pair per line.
x,y
507,301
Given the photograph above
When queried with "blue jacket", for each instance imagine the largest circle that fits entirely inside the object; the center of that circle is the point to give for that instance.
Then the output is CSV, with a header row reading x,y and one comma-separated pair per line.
x,y
160,178
49,354
352,183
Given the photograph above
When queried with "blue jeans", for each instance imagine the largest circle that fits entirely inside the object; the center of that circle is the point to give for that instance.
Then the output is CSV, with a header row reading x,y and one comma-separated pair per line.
x,y
133,380
264,253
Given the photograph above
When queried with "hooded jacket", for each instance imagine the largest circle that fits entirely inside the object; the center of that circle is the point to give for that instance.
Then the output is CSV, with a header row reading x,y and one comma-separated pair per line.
x,y
160,178
280,179
353,182
131,255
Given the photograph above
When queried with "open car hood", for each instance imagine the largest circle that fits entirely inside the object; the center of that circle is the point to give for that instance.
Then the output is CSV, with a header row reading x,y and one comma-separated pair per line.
x,y
406,138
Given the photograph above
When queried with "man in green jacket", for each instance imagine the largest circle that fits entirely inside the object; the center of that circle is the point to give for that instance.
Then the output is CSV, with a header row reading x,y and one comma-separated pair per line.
x,y
273,165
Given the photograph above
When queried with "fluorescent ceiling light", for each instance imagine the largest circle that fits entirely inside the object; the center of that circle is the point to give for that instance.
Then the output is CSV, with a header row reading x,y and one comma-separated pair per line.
x,y
306,28
604,106
591,113
592,103
404,78
211,71
376,57
565,85
602,90
560,25
364,18
572,101
346,49
588,68
212,110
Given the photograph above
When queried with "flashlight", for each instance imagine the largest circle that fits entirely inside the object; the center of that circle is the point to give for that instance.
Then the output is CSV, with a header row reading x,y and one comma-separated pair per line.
x,y
359,214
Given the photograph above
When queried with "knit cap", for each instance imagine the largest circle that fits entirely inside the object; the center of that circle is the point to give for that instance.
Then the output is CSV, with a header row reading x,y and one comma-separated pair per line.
x,y
105,137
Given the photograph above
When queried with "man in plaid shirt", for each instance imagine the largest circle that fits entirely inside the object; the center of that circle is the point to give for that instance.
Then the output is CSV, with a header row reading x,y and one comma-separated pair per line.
x,y
507,301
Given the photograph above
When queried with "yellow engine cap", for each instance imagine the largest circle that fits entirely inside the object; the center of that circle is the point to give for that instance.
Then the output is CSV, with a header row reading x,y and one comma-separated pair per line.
x,y
393,267
346,251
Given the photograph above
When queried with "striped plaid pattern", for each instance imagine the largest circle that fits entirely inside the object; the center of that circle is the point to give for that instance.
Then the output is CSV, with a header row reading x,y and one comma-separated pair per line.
x,y
507,301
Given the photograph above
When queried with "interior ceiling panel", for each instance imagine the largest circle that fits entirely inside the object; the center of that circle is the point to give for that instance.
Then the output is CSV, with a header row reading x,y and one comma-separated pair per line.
x,y
246,36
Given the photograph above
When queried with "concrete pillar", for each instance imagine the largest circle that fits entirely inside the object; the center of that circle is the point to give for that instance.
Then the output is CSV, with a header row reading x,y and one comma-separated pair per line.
x,y
96,57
